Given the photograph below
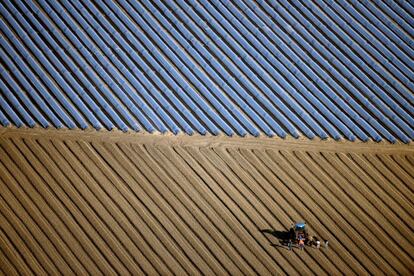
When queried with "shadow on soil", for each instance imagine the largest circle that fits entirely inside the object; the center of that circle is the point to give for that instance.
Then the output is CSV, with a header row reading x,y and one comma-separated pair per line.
x,y
282,236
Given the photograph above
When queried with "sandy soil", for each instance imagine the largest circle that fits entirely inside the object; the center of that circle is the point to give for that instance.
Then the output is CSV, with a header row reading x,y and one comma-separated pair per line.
x,y
105,203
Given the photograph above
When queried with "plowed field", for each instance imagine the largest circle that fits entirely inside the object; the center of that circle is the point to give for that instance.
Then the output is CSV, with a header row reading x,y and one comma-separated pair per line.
x,y
74,202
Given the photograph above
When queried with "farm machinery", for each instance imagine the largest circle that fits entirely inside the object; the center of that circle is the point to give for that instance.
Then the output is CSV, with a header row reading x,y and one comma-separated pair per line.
x,y
298,235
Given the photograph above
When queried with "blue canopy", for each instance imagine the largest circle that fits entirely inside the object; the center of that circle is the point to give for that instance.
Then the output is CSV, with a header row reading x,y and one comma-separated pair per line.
x,y
300,225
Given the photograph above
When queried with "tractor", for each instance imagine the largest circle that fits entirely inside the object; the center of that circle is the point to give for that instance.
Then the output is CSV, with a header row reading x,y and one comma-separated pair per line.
x,y
298,235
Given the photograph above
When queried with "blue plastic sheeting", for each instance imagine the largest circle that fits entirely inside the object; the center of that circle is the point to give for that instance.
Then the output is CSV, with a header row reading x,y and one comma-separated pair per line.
x,y
10,112
3,119
16,105
328,69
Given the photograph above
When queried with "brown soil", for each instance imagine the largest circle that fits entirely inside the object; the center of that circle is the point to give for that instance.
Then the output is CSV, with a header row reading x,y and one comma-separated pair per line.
x,y
109,202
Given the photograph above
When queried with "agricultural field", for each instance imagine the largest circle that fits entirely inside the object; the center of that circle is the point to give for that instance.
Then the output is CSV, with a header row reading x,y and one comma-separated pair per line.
x,y
315,69
78,202
185,137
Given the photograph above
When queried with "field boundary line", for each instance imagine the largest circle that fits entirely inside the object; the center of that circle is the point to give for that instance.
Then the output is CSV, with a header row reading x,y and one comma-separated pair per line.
x,y
208,141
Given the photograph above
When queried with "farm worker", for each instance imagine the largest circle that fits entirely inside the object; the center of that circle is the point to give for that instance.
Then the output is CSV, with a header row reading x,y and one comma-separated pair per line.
x,y
301,244
316,241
